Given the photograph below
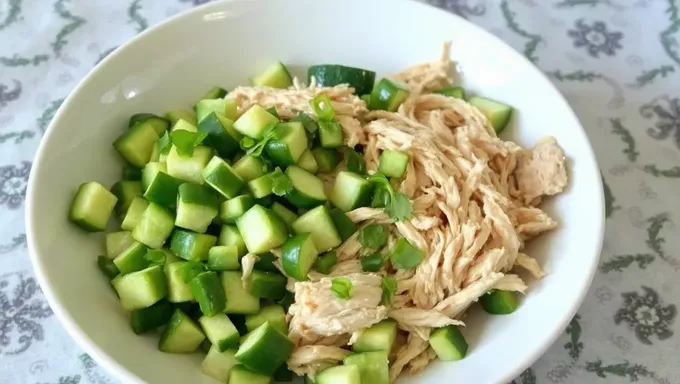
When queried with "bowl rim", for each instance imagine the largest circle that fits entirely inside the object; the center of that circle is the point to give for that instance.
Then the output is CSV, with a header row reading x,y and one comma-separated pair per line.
x,y
121,372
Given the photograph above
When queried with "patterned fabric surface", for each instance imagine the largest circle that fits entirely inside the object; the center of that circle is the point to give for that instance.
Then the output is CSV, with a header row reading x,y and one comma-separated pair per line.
x,y
617,62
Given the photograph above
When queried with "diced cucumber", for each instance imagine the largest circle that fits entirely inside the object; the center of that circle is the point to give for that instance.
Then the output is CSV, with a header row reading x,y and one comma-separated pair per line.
x,y
92,207
141,289
330,134
229,235
107,267
283,375
131,173
182,335
448,343
267,285
326,262
224,107
191,246
378,337
457,92
220,331
132,259
274,314
498,302
159,124
184,125
179,291
126,191
326,159
239,301
261,187
223,258
254,122
221,134
249,168
275,76
261,229
266,262
215,92
388,95
196,207
134,213
330,75
351,191
218,364
208,291
147,319
154,227
150,171
163,190
189,168
318,223
170,257
181,114
284,213
373,366
136,144
298,255
498,113
242,375
307,162
308,190
117,242
345,226
288,144
232,209
341,374
265,349
223,178
393,163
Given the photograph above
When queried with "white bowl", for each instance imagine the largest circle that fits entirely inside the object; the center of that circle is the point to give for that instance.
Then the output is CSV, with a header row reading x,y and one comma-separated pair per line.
x,y
224,43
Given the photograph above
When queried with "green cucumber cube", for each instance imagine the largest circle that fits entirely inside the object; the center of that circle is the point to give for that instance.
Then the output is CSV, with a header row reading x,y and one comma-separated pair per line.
x,y
185,125
345,226
126,191
154,227
163,190
351,191
448,343
190,245
224,107
224,258
261,229
179,291
284,213
330,134
150,171
107,267
288,144
373,366
132,259
274,314
456,92
254,122
223,178
308,162
136,144
207,290
319,224
117,242
239,300
92,207
249,168
499,114
261,187
393,163
141,289
176,115
218,364
229,235
326,159
188,168
299,253
378,337
182,335
134,213
196,207
265,350
267,285
240,374
232,209
497,302
221,134
148,319
275,76
215,92
220,331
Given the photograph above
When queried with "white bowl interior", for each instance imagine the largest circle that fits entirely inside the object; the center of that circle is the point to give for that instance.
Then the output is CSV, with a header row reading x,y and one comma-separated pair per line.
x,y
223,44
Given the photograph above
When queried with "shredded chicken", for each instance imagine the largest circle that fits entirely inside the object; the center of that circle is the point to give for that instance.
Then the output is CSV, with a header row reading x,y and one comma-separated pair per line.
x,y
247,264
475,204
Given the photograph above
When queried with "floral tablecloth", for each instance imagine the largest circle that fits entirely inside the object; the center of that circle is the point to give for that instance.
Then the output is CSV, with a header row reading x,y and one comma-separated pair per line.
x,y
617,62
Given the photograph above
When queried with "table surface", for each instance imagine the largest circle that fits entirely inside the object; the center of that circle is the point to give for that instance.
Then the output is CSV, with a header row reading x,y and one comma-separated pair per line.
x,y
616,61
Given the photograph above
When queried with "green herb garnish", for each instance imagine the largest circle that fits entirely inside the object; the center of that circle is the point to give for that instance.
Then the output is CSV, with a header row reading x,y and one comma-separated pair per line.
x,y
186,141
325,263
373,236
281,184
323,108
404,255
354,162
397,205
389,289
342,288
372,262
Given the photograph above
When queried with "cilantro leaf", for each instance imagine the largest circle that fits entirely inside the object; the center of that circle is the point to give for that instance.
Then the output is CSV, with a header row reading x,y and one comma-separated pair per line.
x,y
373,236
256,150
186,141
397,205
354,162
400,208
281,184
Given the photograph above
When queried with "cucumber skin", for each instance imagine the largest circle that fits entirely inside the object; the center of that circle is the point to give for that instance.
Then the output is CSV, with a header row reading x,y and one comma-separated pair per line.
x,y
291,254
343,224
499,302
268,353
208,291
150,318
330,75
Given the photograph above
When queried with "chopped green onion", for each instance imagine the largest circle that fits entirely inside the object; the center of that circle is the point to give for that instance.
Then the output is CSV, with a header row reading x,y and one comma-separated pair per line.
x,y
354,162
342,288
325,263
281,184
164,143
373,236
191,269
389,289
155,256
256,150
404,255
372,262
186,141
247,143
323,108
